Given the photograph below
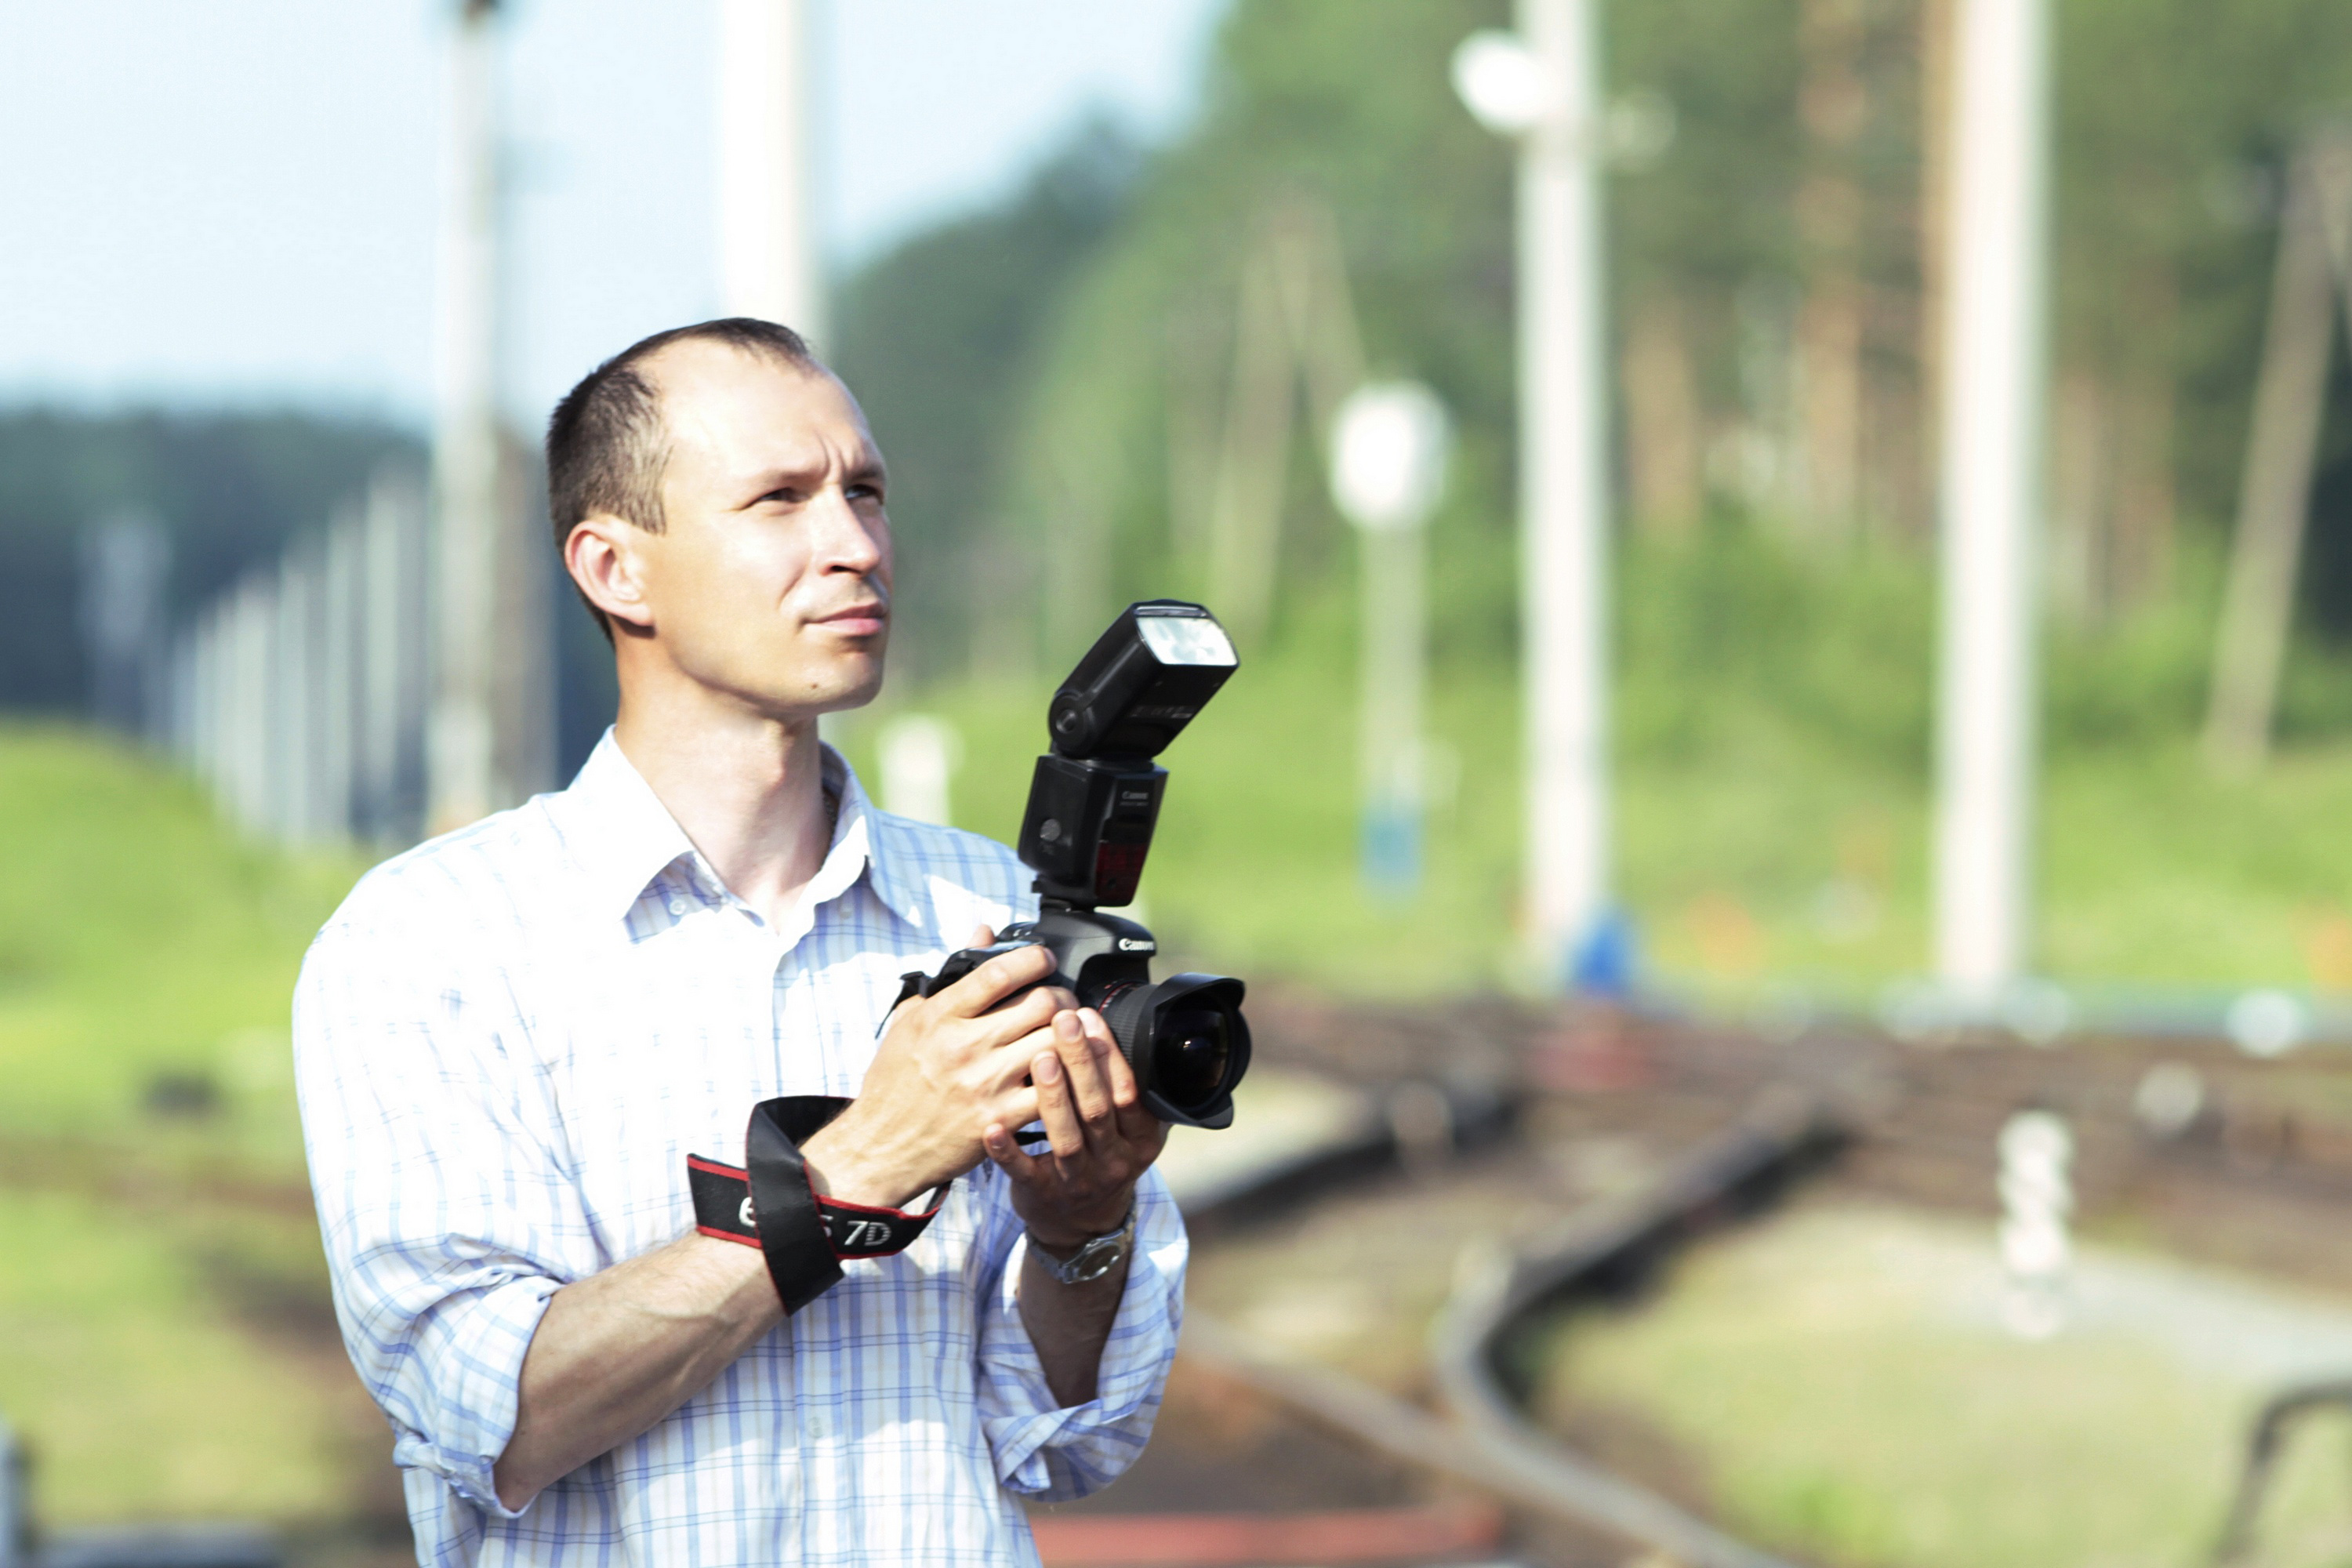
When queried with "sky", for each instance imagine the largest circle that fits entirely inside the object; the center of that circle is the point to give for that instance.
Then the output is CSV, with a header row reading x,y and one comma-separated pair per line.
x,y
234,202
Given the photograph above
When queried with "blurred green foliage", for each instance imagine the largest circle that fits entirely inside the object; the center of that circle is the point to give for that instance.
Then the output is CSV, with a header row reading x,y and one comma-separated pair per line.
x,y
146,953
1771,797
227,488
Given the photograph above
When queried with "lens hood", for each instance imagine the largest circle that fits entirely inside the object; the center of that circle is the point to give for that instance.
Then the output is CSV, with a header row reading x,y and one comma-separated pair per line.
x,y
1188,1043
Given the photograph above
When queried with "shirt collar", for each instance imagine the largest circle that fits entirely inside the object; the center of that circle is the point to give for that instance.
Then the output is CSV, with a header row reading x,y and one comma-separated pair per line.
x,y
622,837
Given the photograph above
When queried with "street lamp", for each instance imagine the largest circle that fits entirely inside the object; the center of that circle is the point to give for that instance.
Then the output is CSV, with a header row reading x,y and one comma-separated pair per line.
x,y
1389,449
1539,87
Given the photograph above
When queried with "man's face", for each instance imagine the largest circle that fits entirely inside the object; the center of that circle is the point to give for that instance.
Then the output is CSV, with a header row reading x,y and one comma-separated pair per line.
x,y
771,583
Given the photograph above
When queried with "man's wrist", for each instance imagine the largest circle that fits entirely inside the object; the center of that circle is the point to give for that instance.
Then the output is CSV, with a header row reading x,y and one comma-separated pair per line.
x,y
838,1169
1101,1256
1059,1238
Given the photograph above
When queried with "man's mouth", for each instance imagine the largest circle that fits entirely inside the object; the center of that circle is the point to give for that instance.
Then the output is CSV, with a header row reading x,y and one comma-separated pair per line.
x,y
863,620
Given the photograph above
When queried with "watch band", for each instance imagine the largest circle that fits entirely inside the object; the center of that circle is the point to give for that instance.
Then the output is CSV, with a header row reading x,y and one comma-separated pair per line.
x,y
1091,1261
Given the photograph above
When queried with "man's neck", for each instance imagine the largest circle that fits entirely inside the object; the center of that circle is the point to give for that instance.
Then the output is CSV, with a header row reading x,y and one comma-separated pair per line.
x,y
748,790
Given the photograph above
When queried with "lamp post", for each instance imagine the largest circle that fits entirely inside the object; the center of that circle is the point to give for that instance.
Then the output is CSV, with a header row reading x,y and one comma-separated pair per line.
x,y
1538,86
1389,449
1992,491
767,246
461,735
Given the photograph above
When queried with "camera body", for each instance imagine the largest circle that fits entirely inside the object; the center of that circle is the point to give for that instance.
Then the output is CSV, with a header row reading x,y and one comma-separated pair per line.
x,y
1094,802
1197,1045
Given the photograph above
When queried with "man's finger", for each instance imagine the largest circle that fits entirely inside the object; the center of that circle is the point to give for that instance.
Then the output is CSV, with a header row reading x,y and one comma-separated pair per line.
x,y
994,981
1009,1023
1014,1104
1056,1109
1082,1065
1005,1150
1117,1071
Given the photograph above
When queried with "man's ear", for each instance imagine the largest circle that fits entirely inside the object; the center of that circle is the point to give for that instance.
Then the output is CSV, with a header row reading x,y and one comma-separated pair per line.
x,y
605,555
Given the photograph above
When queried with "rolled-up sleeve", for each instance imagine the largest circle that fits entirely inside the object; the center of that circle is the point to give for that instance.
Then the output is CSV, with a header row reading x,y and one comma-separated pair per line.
x,y
1055,1452
446,1215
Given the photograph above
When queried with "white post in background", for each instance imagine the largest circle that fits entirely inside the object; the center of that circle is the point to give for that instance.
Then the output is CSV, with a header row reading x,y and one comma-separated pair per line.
x,y
466,434
126,565
2037,1196
919,756
1992,497
489,740
16,1507
767,236
1543,87
1389,451
341,605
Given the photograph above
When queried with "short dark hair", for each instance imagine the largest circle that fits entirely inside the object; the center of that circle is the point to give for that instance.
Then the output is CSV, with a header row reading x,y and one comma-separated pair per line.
x,y
607,442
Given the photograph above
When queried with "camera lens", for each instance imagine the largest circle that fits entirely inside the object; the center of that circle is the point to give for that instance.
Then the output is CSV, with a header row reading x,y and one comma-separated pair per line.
x,y
1187,1039
1190,1055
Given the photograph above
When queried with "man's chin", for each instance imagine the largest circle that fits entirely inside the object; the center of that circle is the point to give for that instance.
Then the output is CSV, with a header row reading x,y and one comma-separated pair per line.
x,y
845,686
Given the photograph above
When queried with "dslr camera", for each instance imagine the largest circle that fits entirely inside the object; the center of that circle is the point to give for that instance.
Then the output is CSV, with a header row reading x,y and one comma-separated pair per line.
x,y
1093,802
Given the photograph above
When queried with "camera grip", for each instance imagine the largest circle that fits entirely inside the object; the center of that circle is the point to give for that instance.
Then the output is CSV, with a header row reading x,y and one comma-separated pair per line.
x,y
958,964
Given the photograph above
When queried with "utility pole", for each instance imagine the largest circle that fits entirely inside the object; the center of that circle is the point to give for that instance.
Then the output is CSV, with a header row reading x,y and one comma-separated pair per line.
x,y
1991,494
2314,262
767,230
1542,87
489,738
1390,445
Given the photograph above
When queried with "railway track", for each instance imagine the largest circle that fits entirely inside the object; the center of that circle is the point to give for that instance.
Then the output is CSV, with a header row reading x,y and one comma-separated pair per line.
x,y
1630,1137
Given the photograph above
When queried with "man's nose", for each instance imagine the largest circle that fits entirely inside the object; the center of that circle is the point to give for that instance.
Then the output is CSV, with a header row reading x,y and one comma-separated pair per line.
x,y
846,542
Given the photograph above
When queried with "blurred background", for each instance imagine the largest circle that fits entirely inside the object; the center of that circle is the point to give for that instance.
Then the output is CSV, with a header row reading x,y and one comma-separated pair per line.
x,y
1777,546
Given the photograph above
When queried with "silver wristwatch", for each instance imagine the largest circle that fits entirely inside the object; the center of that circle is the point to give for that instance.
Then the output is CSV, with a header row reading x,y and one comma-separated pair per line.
x,y
1093,1260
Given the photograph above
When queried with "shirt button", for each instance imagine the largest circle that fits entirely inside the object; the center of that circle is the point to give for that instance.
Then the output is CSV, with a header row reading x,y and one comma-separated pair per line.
x,y
818,1426
677,906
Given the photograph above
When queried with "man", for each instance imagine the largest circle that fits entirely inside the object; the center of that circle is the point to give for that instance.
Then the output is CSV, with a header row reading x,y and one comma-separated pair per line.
x,y
510,1041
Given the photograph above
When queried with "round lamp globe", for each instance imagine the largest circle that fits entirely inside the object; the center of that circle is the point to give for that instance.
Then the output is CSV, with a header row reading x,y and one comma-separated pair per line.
x,y
1389,451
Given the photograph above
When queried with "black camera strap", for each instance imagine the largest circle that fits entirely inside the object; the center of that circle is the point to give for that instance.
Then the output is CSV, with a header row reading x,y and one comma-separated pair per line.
x,y
770,1205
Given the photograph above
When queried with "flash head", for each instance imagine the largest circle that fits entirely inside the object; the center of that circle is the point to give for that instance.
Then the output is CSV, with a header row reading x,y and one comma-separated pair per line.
x,y
1141,682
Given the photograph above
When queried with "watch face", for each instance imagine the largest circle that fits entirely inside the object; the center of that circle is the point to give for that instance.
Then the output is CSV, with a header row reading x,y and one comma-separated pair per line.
x,y
1095,1258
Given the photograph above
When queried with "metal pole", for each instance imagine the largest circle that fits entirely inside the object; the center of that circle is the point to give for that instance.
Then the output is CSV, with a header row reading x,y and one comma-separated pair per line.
x,y
341,629
292,682
767,244
1395,663
2275,494
1563,481
465,438
16,1507
1991,496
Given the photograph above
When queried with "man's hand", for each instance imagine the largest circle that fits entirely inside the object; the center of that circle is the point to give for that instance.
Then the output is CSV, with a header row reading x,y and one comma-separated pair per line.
x,y
950,1066
1102,1139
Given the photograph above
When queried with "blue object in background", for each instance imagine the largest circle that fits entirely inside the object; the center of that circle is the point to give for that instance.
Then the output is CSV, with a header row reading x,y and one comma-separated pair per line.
x,y
1605,962
1391,850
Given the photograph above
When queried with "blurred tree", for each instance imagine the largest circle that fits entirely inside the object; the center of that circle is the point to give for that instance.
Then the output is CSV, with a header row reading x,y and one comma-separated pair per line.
x,y
229,489
1348,107
2174,117
939,338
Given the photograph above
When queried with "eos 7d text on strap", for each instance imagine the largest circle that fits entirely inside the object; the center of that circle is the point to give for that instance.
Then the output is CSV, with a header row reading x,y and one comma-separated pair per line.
x,y
770,1205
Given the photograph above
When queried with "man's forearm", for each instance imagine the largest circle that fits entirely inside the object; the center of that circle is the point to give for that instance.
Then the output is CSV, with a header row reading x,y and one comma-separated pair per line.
x,y
618,1351
1069,1324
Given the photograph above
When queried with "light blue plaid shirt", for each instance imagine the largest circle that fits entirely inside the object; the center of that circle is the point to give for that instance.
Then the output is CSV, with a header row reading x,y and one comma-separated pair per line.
x,y
507,1041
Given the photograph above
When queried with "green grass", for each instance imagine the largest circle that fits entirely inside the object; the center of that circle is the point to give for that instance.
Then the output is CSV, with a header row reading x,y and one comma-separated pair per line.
x,y
141,1393
139,936
1837,1381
